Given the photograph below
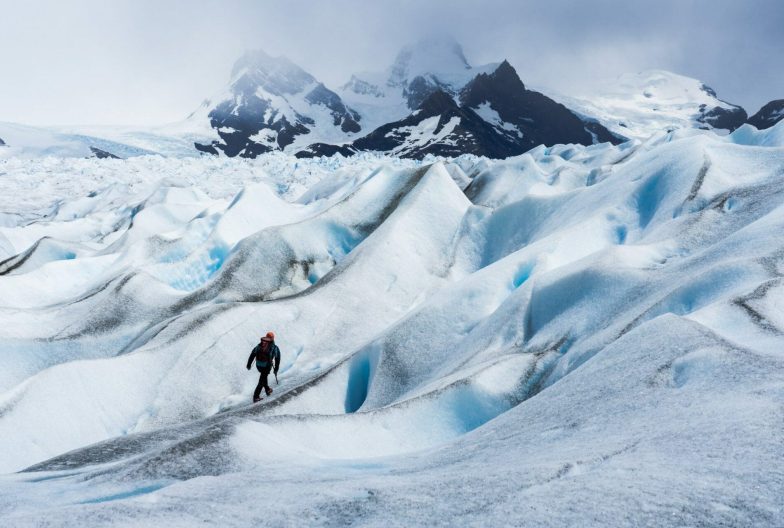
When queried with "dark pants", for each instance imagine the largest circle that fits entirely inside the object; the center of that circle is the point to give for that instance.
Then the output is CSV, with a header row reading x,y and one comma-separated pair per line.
x,y
262,380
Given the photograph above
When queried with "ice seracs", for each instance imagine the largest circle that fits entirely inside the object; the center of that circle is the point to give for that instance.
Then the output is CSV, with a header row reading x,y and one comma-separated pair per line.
x,y
552,330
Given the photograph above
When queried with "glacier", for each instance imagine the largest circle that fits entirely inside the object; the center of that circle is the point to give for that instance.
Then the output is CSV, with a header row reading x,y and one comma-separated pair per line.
x,y
579,335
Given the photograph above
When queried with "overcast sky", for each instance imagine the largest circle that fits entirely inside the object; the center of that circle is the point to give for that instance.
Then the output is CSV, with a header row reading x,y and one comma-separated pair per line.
x,y
147,62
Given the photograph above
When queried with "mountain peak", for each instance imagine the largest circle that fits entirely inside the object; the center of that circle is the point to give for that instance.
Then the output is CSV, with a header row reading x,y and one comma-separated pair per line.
x,y
276,75
437,103
505,72
503,81
768,115
638,105
427,56
664,86
271,102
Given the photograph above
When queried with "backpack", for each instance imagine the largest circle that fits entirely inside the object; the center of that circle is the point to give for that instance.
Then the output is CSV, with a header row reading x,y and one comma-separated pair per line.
x,y
264,353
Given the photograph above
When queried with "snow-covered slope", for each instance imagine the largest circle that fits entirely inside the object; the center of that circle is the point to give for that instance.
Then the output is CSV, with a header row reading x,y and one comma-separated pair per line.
x,y
585,335
170,140
22,141
271,104
640,105
438,127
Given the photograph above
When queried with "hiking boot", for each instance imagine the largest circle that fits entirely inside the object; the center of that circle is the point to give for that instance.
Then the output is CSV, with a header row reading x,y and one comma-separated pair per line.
x,y
256,400
268,390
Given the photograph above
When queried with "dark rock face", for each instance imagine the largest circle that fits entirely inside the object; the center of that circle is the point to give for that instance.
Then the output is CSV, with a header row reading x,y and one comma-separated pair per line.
x,y
2,143
420,89
102,154
253,121
769,115
600,133
539,119
468,134
207,149
239,127
708,90
342,116
317,150
718,117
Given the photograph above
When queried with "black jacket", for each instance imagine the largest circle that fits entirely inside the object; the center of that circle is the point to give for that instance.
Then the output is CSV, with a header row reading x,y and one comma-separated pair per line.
x,y
263,360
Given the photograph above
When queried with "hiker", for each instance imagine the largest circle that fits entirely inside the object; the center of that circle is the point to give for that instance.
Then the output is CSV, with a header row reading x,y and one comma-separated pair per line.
x,y
265,353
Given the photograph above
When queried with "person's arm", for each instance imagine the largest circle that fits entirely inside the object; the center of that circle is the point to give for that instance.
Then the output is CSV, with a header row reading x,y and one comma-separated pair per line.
x,y
277,359
252,356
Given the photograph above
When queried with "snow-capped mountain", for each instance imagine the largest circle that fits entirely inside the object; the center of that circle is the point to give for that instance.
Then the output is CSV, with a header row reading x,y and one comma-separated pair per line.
x,y
421,68
492,115
526,116
599,324
439,127
768,115
642,104
431,100
271,103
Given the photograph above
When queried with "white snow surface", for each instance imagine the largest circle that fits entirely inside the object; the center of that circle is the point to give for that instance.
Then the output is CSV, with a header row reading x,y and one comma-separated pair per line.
x,y
587,336
23,141
175,139
639,105
489,114
422,134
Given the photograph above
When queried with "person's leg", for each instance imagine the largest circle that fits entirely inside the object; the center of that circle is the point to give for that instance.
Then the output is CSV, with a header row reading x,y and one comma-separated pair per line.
x,y
262,383
265,374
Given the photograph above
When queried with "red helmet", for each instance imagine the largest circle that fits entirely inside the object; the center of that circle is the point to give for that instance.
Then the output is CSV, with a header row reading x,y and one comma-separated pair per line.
x,y
271,334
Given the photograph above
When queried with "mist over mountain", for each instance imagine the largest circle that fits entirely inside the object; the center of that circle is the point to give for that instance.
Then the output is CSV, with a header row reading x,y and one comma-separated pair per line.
x,y
139,63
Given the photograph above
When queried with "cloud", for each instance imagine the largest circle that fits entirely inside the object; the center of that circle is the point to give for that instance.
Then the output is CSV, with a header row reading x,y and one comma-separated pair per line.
x,y
144,61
